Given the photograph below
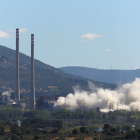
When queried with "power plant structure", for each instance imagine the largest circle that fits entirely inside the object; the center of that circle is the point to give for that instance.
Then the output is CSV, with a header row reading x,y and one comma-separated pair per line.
x,y
17,87
32,94
17,90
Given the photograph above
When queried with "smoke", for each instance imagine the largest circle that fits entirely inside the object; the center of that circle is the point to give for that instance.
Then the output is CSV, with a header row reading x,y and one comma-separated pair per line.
x,y
126,96
7,94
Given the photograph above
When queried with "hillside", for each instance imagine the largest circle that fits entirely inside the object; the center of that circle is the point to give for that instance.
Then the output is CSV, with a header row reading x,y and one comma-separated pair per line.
x,y
48,80
110,76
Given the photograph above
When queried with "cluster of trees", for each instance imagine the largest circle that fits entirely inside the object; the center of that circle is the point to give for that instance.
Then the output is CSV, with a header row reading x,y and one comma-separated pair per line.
x,y
42,123
8,112
34,128
19,132
134,134
11,113
30,128
118,116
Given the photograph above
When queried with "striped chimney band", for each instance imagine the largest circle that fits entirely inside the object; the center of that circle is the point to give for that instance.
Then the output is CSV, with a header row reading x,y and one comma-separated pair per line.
x,y
32,38
17,33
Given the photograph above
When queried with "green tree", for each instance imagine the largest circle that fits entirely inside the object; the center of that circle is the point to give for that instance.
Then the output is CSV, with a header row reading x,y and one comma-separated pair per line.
x,y
1,127
75,131
98,109
114,130
55,131
96,138
36,137
106,127
134,134
6,138
83,129
15,137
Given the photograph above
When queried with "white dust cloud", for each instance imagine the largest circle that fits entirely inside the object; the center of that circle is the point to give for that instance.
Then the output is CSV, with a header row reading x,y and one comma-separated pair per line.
x,y
126,96
7,93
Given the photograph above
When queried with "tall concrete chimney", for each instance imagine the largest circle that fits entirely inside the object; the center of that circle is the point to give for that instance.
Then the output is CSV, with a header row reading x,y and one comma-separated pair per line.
x,y
32,96
17,90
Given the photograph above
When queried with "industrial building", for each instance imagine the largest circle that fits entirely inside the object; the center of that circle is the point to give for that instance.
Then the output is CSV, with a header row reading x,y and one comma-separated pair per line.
x,y
6,100
47,102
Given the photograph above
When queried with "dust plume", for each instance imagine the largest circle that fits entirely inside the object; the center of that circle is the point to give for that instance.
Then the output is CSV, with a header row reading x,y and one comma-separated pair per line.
x,y
126,96
6,94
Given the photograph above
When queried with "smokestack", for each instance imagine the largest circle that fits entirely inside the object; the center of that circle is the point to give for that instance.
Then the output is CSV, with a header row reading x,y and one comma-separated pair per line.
x,y
17,90
32,96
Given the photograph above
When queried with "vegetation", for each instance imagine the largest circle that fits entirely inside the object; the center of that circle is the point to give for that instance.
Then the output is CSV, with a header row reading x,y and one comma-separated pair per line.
x,y
25,132
48,80
44,125
95,116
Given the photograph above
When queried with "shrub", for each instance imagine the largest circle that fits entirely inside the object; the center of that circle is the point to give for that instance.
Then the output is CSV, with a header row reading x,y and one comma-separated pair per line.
x,y
36,137
28,131
15,137
114,130
6,138
96,138
106,127
75,131
55,131
45,132
129,136
87,132
83,129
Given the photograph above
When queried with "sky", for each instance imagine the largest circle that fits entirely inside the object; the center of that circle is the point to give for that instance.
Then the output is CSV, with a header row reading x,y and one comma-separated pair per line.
x,y
90,33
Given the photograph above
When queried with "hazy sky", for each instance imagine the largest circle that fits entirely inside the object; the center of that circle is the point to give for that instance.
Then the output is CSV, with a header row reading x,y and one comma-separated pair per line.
x,y
86,33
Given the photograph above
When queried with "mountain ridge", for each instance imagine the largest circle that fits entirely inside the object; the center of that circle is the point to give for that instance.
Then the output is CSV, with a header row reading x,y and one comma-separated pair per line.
x,y
48,80
110,76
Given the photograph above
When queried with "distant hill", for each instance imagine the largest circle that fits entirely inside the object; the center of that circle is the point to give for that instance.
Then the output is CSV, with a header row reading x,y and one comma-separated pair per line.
x,y
48,80
108,76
